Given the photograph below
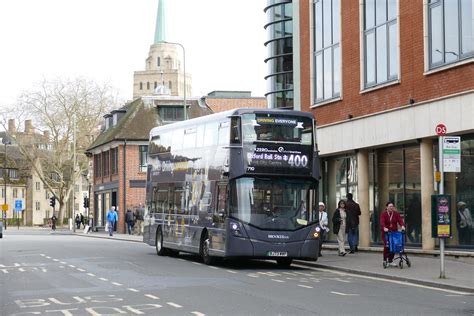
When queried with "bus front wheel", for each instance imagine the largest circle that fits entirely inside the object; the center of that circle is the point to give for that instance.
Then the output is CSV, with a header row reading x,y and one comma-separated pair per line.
x,y
206,258
284,262
160,250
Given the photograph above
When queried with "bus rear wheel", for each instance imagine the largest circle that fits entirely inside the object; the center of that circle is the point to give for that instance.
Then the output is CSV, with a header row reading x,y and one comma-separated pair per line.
x,y
160,250
284,262
206,257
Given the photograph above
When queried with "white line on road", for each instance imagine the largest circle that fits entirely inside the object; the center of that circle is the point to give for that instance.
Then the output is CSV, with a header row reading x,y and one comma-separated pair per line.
x,y
116,283
344,294
72,266
198,314
4,270
48,257
174,304
42,254
81,270
133,290
280,281
91,274
62,262
153,297
56,260
21,270
197,263
230,271
305,286
215,268
103,279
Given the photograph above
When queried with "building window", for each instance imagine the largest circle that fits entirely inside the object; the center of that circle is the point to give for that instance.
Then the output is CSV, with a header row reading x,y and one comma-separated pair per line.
x,y
114,160
15,193
171,114
143,152
148,86
156,84
158,61
170,85
327,55
450,27
141,85
37,186
37,206
114,119
380,42
97,166
23,193
105,163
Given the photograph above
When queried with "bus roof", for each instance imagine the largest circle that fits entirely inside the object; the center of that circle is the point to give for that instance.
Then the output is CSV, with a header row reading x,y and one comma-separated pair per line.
x,y
220,115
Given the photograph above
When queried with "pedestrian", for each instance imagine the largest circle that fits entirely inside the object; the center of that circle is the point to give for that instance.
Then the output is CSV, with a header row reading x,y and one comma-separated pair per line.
x,y
339,225
53,222
116,216
130,220
353,213
78,221
83,220
323,223
389,222
111,220
464,223
139,215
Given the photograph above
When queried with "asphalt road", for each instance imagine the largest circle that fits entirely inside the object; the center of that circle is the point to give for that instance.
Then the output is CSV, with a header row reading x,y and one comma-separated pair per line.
x,y
62,274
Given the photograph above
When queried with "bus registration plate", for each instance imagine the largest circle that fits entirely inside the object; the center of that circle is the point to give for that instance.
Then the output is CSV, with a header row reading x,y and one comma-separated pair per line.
x,y
277,253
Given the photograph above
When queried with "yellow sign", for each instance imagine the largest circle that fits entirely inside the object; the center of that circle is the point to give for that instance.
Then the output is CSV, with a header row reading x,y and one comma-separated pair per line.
x,y
4,207
438,176
443,230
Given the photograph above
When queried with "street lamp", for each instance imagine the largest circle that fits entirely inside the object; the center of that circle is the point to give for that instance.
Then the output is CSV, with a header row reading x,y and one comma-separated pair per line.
x,y
184,69
6,141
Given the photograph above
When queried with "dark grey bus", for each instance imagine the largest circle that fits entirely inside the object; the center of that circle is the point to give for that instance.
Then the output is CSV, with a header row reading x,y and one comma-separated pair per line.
x,y
235,184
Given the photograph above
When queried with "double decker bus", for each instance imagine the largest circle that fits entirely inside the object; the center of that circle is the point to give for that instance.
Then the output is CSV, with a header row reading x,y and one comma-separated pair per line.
x,y
239,183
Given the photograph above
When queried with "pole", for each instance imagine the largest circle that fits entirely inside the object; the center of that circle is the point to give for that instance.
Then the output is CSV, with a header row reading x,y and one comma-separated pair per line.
x,y
74,173
5,188
442,274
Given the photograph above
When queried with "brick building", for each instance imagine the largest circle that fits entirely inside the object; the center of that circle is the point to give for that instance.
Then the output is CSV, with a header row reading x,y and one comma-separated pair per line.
x,y
379,76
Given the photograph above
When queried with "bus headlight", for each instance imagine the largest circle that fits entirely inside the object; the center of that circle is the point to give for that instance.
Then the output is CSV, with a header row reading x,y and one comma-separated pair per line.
x,y
317,232
235,229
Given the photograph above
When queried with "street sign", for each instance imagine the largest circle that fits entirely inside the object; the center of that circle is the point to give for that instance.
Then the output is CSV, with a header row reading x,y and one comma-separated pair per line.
x,y
452,154
441,216
18,205
441,129
4,207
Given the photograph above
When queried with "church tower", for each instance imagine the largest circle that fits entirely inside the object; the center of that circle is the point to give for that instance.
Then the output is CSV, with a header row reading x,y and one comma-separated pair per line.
x,y
164,67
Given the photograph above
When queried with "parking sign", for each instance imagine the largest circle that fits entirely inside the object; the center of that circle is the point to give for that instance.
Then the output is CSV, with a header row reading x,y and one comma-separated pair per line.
x,y
18,205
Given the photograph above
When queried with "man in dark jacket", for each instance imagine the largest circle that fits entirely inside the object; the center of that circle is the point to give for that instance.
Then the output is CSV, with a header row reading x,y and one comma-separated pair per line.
x,y
130,220
353,213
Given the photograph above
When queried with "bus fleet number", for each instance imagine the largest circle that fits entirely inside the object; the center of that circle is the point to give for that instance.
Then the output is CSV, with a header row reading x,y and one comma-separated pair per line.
x,y
298,160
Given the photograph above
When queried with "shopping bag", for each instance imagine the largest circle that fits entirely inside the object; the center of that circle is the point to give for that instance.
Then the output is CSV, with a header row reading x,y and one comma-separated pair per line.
x,y
87,229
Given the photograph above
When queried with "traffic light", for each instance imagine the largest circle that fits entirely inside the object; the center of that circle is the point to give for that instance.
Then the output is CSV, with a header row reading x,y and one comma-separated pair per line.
x,y
86,202
52,201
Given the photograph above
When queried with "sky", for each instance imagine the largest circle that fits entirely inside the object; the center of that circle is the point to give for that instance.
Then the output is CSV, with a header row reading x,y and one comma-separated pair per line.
x,y
107,40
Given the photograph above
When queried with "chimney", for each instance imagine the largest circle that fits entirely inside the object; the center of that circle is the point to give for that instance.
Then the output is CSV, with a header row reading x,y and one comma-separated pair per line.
x,y
11,126
29,127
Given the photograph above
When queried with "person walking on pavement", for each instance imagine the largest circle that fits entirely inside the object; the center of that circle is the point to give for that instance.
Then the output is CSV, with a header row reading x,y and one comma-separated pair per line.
x,y
323,223
53,222
353,213
78,221
116,216
464,223
111,220
389,222
130,220
339,225
139,213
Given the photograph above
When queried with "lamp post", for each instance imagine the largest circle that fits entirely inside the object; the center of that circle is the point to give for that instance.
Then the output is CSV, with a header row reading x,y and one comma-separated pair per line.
x,y
6,141
184,69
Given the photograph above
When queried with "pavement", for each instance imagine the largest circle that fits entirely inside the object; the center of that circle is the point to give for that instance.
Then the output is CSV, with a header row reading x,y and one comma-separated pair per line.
x,y
425,265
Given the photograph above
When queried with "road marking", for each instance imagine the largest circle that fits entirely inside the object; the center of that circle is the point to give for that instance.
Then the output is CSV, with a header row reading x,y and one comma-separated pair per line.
x,y
91,274
116,283
62,262
153,297
197,263
340,280
56,260
21,270
133,290
103,279
305,286
42,254
212,267
252,275
81,270
344,294
280,281
230,271
48,257
198,314
4,270
174,304
406,283
72,266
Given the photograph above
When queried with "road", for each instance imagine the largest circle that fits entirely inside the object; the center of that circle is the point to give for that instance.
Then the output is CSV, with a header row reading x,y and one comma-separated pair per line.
x,y
63,274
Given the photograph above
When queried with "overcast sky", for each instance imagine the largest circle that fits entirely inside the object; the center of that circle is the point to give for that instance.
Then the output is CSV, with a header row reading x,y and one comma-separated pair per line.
x,y
107,40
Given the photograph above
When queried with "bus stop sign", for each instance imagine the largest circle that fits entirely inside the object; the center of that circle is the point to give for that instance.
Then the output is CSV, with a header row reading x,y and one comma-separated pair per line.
x,y
18,205
441,129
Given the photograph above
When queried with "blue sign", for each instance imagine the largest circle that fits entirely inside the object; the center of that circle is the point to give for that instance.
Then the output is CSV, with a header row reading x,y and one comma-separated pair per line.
x,y
18,205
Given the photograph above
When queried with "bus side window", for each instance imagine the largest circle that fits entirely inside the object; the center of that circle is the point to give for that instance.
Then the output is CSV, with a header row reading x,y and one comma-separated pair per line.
x,y
221,202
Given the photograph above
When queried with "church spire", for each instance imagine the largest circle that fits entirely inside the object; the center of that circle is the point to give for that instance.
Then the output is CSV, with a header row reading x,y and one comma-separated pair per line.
x,y
160,28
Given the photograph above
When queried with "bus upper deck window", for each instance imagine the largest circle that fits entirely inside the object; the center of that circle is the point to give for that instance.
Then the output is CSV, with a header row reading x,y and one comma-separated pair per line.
x,y
235,137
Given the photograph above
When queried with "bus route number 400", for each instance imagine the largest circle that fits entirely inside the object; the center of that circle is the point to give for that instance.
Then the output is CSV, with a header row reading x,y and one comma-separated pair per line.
x,y
298,161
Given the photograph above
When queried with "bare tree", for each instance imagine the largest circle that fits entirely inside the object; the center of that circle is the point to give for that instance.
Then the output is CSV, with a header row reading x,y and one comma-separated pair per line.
x,y
63,110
